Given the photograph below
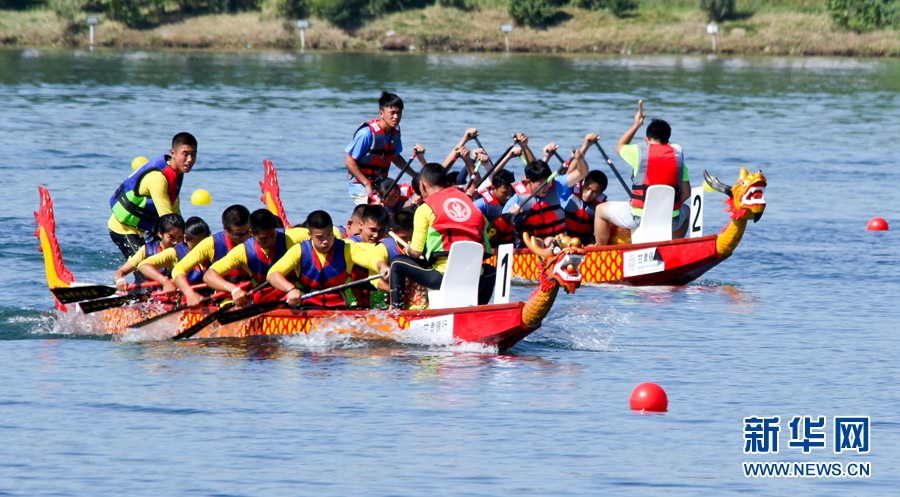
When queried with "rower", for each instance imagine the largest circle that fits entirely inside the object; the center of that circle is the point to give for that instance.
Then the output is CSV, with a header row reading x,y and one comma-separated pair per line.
x,y
491,201
655,161
402,229
353,224
393,197
544,216
150,193
158,267
321,262
255,256
374,224
447,216
235,230
169,231
582,206
376,144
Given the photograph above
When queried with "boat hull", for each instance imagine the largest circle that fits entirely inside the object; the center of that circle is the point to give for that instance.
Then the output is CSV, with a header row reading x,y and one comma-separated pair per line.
x,y
682,261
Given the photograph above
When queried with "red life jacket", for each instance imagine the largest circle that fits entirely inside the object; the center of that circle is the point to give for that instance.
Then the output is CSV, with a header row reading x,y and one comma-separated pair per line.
x,y
658,164
505,231
455,218
580,216
377,161
314,275
541,216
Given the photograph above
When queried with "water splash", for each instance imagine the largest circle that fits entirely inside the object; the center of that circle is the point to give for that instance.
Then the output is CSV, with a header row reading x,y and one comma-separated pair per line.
x,y
580,326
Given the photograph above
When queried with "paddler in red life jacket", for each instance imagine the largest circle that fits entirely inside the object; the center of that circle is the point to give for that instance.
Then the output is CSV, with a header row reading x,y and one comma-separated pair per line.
x,y
255,256
169,231
491,201
655,161
375,146
391,196
158,267
581,208
544,216
235,230
150,193
447,216
321,262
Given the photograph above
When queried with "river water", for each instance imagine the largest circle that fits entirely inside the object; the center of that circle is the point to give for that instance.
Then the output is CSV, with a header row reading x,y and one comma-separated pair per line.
x,y
801,321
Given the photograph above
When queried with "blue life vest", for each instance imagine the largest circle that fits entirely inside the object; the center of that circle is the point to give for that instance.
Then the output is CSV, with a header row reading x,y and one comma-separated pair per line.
x,y
195,275
257,262
132,209
393,250
314,275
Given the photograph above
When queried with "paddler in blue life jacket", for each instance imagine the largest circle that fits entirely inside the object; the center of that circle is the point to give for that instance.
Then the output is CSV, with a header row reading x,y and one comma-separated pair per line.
x,y
581,208
150,193
402,229
168,232
235,230
448,215
321,262
544,216
655,161
376,145
159,267
255,256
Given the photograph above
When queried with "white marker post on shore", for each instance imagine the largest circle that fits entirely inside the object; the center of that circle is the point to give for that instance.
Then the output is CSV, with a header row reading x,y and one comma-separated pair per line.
x,y
302,24
713,28
507,29
91,22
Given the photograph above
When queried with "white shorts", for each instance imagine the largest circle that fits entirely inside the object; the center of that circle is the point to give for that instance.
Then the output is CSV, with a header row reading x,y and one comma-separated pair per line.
x,y
620,215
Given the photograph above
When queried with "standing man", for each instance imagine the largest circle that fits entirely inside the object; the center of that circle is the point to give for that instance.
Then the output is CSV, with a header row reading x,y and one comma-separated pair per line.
x,y
376,144
150,193
654,162
448,215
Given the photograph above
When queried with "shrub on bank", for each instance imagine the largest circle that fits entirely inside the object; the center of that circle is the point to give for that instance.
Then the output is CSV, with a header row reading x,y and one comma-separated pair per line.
x,y
617,7
531,12
717,10
862,15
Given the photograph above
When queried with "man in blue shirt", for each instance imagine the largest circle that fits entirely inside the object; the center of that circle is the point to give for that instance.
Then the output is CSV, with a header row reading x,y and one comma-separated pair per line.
x,y
375,146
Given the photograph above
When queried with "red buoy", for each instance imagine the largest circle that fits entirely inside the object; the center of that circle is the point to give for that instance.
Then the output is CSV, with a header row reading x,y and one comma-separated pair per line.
x,y
649,397
877,224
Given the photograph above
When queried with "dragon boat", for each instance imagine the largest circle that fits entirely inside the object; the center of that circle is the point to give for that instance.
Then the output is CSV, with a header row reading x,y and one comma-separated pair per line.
x,y
667,262
499,324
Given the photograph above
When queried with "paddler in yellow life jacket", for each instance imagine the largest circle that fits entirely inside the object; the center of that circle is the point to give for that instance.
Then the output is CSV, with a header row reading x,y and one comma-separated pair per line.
x,y
235,230
655,161
322,262
169,231
255,256
448,215
544,215
375,146
157,267
150,193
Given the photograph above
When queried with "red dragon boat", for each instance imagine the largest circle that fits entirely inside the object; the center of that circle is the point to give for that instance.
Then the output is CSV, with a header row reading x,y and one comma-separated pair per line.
x,y
501,325
675,262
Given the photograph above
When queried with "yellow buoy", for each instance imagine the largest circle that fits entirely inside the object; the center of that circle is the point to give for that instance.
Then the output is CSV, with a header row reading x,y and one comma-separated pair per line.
x,y
201,197
138,162
707,188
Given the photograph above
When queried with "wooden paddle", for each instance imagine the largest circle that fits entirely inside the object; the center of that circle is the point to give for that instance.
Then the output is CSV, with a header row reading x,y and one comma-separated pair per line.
x,y
204,301
73,294
208,320
103,304
264,307
490,171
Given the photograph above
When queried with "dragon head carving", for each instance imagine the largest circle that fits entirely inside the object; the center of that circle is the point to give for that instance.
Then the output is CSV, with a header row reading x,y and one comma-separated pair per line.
x,y
561,257
746,196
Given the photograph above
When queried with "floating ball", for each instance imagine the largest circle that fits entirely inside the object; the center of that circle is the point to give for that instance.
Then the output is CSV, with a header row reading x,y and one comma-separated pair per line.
x,y
877,224
138,162
649,397
201,197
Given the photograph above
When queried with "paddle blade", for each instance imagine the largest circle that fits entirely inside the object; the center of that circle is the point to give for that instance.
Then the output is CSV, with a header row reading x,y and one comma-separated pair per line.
x,y
197,327
250,311
73,294
103,304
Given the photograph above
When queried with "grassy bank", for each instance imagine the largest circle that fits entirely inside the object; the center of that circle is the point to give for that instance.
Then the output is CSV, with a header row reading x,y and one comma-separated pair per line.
x,y
680,30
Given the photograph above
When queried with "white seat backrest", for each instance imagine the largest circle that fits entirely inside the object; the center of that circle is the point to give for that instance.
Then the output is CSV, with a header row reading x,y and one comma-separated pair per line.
x,y
656,223
460,285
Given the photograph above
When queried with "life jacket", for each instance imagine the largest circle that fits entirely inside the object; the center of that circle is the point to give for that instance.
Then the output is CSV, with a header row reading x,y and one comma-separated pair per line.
x,y
455,219
314,275
257,263
195,275
354,239
541,216
392,248
222,245
343,230
506,233
406,191
580,216
658,164
377,161
493,206
130,208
